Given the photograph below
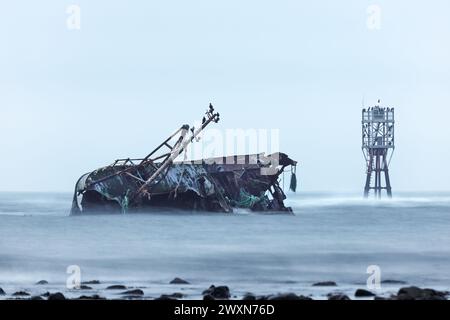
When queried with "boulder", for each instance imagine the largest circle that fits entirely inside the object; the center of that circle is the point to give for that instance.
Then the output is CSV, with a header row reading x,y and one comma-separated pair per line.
x,y
135,292
42,282
249,297
116,287
93,297
221,292
325,284
416,293
393,282
179,281
173,296
338,297
208,297
36,298
56,296
2,293
91,282
20,293
287,297
85,287
361,293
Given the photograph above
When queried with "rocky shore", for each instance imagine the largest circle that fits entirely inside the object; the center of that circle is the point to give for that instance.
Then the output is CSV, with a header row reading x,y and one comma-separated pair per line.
x,y
95,290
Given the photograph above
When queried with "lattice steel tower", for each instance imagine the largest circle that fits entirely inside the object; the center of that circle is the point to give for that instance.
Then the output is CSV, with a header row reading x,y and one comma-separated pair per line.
x,y
378,147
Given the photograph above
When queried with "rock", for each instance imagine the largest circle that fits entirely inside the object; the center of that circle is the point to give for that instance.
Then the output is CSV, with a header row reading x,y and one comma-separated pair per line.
x,y
56,296
20,293
208,297
136,292
415,293
377,298
179,281
360,293
36,298
84,287
2,293
221,292
173,296
249,297
47,294
287,297
94,297
91,282
325,284
116,287
392,282
338,297
42,282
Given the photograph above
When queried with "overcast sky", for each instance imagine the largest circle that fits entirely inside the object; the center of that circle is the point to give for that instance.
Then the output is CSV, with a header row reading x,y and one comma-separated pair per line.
x,y
74,100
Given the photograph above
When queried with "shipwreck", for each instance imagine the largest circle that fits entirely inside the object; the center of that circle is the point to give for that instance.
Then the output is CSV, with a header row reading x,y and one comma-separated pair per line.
x,y
160,181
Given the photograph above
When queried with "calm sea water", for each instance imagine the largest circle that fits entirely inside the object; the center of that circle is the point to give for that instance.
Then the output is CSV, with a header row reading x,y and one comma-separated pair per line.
x,y
330,237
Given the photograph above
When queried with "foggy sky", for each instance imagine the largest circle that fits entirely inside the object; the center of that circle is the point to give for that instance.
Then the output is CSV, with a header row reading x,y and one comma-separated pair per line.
x,y
75,100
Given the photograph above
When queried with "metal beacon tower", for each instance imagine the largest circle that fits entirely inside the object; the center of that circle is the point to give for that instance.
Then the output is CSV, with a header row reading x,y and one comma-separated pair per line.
x,y
378,147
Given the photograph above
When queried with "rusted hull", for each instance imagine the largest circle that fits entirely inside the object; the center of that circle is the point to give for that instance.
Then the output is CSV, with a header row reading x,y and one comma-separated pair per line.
x,y
218,185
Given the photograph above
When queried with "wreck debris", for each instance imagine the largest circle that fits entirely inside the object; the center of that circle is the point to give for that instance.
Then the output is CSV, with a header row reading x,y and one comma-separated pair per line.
x,y
158,180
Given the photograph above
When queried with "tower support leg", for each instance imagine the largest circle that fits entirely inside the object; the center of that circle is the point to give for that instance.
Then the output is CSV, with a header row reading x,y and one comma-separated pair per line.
x,y
386,177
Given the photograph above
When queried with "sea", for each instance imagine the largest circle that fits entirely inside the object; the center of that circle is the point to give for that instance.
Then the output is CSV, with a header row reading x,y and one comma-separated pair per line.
x,y
379,245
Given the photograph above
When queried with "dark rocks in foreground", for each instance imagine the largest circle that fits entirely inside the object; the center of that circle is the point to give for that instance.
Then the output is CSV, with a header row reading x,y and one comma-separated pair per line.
x,y
84,287
2,293
179,281
340,297
34,298
221,292
173,296
93,297
56,296
135,292
287,297
117,287
42,283
393,282
21,294
416,293
325,284
249,297
361,293
91,282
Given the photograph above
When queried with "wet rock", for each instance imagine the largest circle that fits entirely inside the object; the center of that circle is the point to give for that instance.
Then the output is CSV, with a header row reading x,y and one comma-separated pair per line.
x,y
179,281
56,296
325,284
84,287
135,292
116,287
287,297
173,296
416,293
208,297
249,297
93,297
20,294
377,298
34,298
47,294
221,292
393,282
91,282
361,293
42,282
2,293
338,297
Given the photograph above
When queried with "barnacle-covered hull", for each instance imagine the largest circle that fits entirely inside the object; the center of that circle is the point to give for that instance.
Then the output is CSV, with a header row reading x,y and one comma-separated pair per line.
x,y
218,185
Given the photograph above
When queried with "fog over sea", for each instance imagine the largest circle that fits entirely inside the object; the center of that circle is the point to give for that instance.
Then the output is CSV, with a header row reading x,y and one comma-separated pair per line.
x,y
331,237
